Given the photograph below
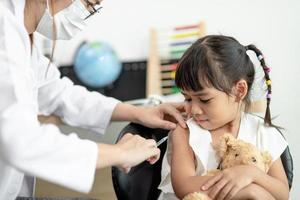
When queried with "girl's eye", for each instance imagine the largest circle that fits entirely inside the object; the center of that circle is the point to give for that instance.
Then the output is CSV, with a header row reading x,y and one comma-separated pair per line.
x,y
205,101
187,100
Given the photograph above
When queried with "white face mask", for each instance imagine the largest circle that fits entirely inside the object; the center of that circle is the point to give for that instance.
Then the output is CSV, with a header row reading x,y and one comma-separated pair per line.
x,y
68,22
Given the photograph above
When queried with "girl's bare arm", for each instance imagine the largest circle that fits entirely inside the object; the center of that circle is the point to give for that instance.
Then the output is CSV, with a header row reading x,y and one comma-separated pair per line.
x,y
183,174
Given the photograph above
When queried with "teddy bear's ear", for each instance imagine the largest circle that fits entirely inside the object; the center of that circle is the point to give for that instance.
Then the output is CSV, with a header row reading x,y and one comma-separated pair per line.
x,y
225,142
230,140
267,160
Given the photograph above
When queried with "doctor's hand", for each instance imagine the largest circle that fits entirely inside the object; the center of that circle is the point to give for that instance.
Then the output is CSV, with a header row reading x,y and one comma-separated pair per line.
x,y
136,149
165,116
131,150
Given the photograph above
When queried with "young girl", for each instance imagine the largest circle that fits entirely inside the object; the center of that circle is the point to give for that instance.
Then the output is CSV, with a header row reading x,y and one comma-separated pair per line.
x,y
215,76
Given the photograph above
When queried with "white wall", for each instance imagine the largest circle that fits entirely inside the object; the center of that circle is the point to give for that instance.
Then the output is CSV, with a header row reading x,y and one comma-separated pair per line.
x,y
273,25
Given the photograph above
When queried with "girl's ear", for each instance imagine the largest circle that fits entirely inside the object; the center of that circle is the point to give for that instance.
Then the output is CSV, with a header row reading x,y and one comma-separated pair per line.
x,y
240,89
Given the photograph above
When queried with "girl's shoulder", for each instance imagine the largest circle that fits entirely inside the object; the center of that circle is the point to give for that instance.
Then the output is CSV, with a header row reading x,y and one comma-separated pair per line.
x,y
264,137
192,133
252,118
258,121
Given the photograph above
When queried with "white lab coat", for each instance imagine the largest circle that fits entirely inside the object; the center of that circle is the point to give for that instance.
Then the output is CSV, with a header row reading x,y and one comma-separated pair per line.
x,y
26,146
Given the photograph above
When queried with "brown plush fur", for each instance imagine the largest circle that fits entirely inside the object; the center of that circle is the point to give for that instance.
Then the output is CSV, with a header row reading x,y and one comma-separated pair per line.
x,y
232,152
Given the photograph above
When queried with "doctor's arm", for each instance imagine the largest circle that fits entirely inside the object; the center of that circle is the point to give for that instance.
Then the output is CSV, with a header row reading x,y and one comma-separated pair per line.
x,y
75,105
78,107
42,150
165,115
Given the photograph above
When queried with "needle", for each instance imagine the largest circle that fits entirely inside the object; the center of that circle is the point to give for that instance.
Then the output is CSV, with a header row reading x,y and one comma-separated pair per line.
x,y
161,141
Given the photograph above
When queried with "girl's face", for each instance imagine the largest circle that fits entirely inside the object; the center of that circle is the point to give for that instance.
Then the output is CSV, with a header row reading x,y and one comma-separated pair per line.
x,y
211,108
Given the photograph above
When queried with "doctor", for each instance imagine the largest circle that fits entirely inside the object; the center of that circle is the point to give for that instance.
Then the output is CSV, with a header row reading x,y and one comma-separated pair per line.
x,y
29,87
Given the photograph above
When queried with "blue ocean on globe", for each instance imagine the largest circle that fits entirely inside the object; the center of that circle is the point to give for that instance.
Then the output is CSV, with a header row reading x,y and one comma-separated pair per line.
x,y
96,64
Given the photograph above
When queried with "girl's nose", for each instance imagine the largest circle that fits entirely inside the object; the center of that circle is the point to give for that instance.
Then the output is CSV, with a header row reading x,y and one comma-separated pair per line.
x,y
196,110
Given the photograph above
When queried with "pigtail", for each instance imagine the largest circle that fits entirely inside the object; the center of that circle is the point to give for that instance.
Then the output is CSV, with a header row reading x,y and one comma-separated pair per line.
x,y
267,119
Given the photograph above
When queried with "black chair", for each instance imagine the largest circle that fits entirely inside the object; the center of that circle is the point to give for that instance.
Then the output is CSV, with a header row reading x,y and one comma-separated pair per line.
x,y
287,162
142,181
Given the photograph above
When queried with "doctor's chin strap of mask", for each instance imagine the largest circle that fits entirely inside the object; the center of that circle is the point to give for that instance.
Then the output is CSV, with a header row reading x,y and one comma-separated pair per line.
x,y
51,8
92,5
266,69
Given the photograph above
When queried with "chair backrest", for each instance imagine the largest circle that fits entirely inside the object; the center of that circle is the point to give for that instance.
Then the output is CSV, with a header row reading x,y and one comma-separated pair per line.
x,y
142,181
287,162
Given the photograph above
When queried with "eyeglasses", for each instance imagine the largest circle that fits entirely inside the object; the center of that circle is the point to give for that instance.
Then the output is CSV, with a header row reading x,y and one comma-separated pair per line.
x,y
95,7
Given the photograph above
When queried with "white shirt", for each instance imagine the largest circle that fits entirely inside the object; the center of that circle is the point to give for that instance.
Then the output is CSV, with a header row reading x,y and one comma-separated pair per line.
x,y
26,146
252,130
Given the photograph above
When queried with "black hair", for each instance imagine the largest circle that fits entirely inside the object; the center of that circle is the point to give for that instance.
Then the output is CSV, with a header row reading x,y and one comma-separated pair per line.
x,y
219,61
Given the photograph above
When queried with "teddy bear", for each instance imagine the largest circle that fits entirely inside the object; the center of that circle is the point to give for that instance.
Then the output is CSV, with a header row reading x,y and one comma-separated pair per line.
x,y
232,152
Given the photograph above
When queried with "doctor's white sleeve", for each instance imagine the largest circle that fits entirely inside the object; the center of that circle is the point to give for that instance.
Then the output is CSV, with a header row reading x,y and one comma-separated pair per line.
x,y
25,144
74,104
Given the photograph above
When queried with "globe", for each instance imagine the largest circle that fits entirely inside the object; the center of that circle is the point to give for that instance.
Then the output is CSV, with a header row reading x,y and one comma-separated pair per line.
x,y
96,64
